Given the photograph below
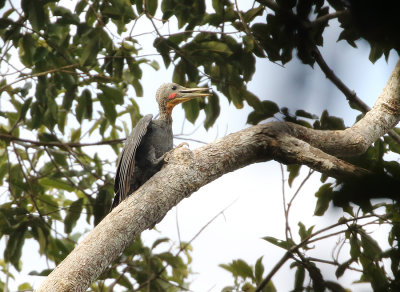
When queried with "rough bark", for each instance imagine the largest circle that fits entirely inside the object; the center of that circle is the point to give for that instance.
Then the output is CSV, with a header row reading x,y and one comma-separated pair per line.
x,y
186,171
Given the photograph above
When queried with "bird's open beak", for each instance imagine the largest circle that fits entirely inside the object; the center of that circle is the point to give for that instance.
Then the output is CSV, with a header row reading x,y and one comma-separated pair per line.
x,y
185,94
190,93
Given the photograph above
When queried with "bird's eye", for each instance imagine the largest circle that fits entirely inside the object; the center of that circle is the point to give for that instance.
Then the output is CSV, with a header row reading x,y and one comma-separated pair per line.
x,y
173,87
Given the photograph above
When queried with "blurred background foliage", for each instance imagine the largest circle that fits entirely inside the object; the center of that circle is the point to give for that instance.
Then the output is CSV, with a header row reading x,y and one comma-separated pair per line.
x,y
64,76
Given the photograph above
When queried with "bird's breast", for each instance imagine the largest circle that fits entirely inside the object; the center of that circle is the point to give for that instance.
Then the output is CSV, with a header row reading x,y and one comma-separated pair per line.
x,y
159,137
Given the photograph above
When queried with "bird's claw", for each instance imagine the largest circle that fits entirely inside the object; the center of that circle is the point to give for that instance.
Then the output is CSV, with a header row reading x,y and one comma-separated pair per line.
x,y
182,144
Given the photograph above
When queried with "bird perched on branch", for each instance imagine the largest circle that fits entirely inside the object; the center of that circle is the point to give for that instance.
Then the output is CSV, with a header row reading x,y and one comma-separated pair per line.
x,y
143,153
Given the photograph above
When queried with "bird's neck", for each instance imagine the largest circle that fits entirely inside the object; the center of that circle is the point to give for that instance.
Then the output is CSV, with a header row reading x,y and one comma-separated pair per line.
x,y
165,116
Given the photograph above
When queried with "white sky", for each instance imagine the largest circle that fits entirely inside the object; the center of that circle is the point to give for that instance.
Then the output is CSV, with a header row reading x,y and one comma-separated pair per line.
x,y
257,188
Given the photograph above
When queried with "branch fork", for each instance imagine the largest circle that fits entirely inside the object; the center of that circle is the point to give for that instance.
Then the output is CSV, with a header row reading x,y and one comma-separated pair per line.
x,y
186,171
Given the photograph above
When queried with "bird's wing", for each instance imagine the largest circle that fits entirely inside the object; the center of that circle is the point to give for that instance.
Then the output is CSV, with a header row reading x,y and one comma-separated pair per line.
x,y
126,163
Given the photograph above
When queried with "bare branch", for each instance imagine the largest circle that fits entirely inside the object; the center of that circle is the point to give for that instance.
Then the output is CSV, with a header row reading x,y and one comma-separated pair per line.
x,y
8,137
328,17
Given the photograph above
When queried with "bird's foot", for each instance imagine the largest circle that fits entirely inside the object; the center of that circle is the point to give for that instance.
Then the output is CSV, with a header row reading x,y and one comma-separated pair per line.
x,y
160,160
182,144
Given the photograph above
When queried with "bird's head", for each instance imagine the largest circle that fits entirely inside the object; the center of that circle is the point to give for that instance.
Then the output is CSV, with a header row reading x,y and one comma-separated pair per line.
x,y
171,94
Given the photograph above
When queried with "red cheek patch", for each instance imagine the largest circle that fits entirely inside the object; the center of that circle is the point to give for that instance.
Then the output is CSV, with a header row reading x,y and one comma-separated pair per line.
x,y
172,95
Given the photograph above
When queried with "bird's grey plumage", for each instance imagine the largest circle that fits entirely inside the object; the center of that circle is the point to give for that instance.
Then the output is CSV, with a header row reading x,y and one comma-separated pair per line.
x,y
139,160
126,162
144,149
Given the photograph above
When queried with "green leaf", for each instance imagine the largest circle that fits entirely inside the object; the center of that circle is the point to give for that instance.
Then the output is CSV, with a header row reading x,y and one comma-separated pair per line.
x,y
84,108
80,6
324,195
239,268
90,50
354,247
27,49
342,268
330,122
236,96
45,272
113,93
59,157
192,110
299,278
49,205
73,214
303,232
248,65
102,205
304,114
159,241
109,107
215,46
35,11
253,13
264,110
179,73
376,52
294,170
259,270
24,108
212,110
253,100
370,247
13,250
249,43
170,259
269,107
281,243
270,287
393,145
66,16
75,135
151,6
56,184
138,87
25,286
69,97
218,6
161,44
41,234
124,281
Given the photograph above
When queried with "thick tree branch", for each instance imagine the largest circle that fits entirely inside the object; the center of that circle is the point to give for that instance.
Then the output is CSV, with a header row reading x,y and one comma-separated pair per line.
x,y
186,171
350,94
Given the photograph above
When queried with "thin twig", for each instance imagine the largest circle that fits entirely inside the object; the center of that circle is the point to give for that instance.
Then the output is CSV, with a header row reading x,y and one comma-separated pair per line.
x,y
177,226
247,30
7,137
334,263
350,94
304,242
190,139
288,232
327,17
275,269
183,247
310,172
28,182
29,76
71,182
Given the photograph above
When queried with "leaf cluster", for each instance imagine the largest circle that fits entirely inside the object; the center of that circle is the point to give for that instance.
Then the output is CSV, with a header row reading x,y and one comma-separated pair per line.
x,y
247,277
